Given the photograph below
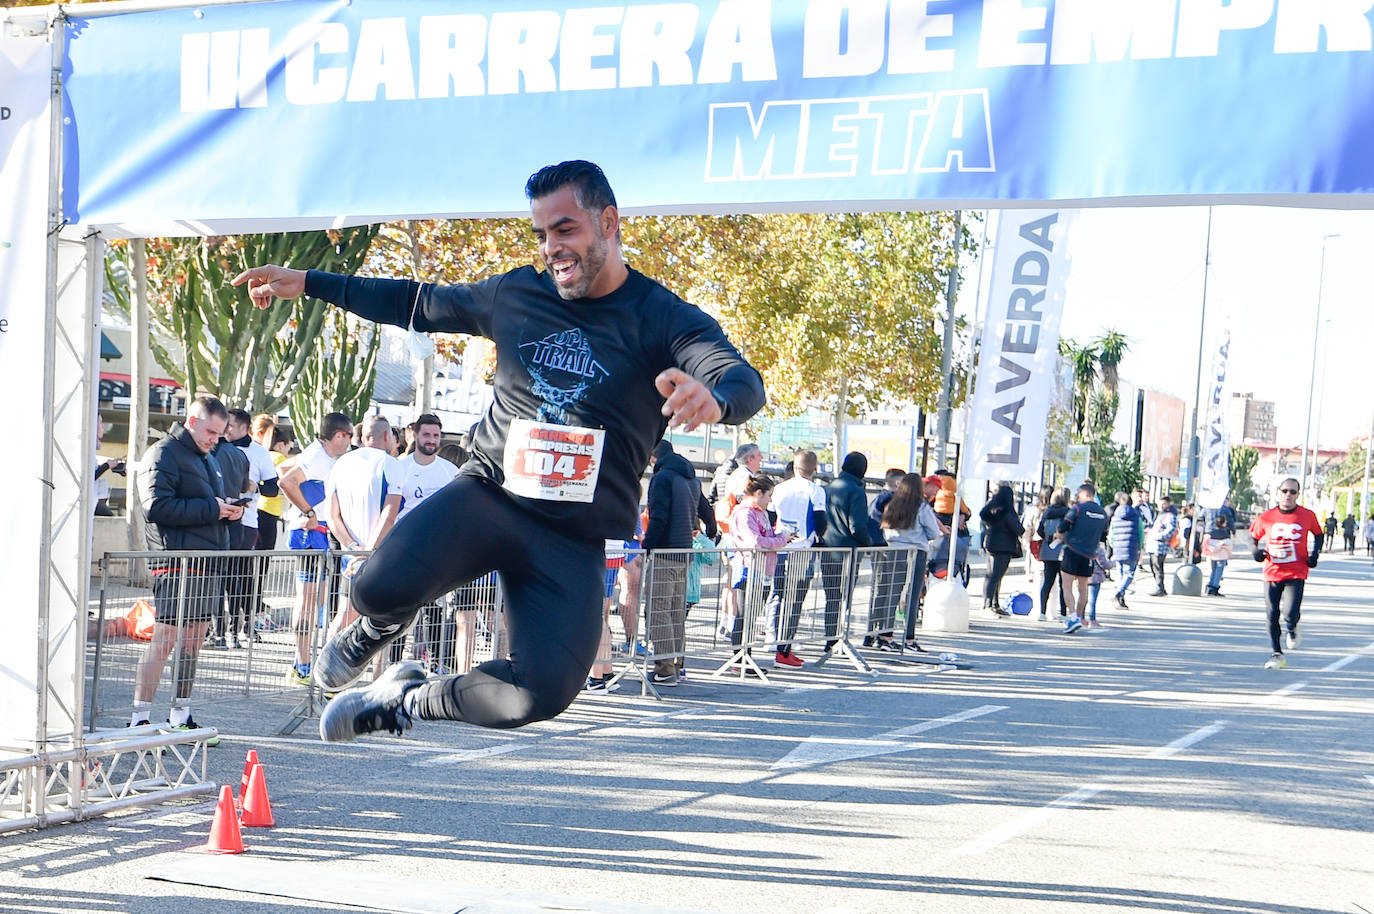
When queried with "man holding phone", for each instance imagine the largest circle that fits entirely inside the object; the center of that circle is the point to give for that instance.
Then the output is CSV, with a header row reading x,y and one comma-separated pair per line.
x,y
183,499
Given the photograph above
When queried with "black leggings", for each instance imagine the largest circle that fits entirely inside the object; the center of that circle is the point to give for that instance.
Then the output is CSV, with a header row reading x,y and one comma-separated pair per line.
x,y
1052,576
553,584
992,587
1285,600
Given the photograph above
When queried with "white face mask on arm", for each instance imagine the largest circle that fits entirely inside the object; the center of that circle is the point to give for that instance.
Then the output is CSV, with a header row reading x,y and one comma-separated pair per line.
x,y
421,346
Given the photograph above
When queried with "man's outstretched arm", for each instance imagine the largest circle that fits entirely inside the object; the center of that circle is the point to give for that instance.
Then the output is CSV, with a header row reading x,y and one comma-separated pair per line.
x,y
400,302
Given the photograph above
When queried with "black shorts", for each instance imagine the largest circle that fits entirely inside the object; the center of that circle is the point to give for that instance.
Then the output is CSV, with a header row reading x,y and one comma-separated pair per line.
x,y
1080,566
203,595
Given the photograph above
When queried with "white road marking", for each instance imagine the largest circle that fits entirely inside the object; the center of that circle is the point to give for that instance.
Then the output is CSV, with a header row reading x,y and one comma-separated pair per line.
x,y
825,750
472,754
1025,823
1184,742
1342,663
1285,691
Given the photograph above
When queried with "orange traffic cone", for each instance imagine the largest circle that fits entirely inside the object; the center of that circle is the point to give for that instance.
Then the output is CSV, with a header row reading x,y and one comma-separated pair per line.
x,y
247,770
257,808
225,837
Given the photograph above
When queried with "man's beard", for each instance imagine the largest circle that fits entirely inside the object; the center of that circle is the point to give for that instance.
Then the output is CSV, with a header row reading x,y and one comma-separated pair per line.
x,y
429,450
590,264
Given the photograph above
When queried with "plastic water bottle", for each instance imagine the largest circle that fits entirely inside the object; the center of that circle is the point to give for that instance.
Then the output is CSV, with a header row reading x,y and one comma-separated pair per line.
x,y
947,657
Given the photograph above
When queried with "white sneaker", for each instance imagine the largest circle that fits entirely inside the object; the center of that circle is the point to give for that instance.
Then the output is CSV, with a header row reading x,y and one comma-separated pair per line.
x,y
1276,662
1294,639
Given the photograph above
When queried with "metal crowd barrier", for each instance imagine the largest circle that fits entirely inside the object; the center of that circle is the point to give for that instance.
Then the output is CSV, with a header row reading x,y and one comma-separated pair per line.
x,y
237,621
813,602
240,618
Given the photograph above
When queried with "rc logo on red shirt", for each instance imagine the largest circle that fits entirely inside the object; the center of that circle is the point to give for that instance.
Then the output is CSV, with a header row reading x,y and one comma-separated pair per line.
x,y
1284,537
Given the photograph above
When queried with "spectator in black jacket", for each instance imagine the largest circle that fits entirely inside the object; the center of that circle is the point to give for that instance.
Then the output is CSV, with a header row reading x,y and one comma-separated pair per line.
x,y
1001,541
675,504
235,473
183,497
846,526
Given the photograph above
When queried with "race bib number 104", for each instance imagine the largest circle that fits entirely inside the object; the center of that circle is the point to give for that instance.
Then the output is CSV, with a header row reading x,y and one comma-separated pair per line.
x,y
552,462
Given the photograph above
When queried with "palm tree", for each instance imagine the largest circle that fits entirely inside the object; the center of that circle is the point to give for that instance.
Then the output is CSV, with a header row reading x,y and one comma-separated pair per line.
x,y
1112,347
1084,361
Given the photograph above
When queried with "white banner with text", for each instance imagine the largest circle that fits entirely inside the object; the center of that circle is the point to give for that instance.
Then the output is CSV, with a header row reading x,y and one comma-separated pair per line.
x,y
25,130
1016,364
1214,475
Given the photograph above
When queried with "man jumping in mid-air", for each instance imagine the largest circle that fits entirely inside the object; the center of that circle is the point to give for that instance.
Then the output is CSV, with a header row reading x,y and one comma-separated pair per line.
x,y
1281,544
593,361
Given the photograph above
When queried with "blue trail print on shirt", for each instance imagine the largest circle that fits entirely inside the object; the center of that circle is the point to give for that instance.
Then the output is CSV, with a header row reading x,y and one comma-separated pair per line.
x,y
562,369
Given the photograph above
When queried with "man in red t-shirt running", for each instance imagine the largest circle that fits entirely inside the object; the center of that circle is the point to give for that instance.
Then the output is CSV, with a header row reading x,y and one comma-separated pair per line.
x,y
1281,544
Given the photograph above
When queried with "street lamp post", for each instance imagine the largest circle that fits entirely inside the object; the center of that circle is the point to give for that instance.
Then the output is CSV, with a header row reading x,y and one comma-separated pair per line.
x,y
1312,379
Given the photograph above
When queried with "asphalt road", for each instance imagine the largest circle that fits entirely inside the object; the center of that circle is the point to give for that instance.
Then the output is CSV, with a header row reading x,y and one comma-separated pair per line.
x,y
1153,765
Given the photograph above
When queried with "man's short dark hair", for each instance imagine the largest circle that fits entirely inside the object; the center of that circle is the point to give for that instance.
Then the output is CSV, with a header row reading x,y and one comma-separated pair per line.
x,y
332,424
426,419
207,407
241,416
893,474
591,190
1089,488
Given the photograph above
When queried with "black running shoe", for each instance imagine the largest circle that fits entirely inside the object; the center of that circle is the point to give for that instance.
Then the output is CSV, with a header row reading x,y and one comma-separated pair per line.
x,y
374,707
346,656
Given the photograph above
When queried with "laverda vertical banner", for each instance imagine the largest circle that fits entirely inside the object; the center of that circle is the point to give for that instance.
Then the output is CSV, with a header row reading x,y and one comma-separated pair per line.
x,y
1214,476
1020,347
307,112
25,128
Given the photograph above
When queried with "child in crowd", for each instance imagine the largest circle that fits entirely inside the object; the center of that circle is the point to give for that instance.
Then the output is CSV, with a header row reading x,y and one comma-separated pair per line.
x,y
751,529
702,558
1101,568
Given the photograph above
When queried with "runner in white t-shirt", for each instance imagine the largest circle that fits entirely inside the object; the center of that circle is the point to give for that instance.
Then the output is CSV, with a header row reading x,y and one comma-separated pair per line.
x,y
363,497
302,485
426,474
800,506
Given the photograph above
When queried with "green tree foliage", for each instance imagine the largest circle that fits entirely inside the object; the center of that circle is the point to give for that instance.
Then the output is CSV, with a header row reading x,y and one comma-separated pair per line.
x,y
1115,469
841,310
1351,470
1111,347
1242,460
338,376
1083,358
248,357
1095,404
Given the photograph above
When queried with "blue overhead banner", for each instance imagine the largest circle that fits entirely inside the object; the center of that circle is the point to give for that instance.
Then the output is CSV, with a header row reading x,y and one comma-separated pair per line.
x,y
299,112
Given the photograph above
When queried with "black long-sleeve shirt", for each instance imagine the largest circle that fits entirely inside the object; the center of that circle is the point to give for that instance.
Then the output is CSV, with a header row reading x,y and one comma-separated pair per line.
x,y
587,363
